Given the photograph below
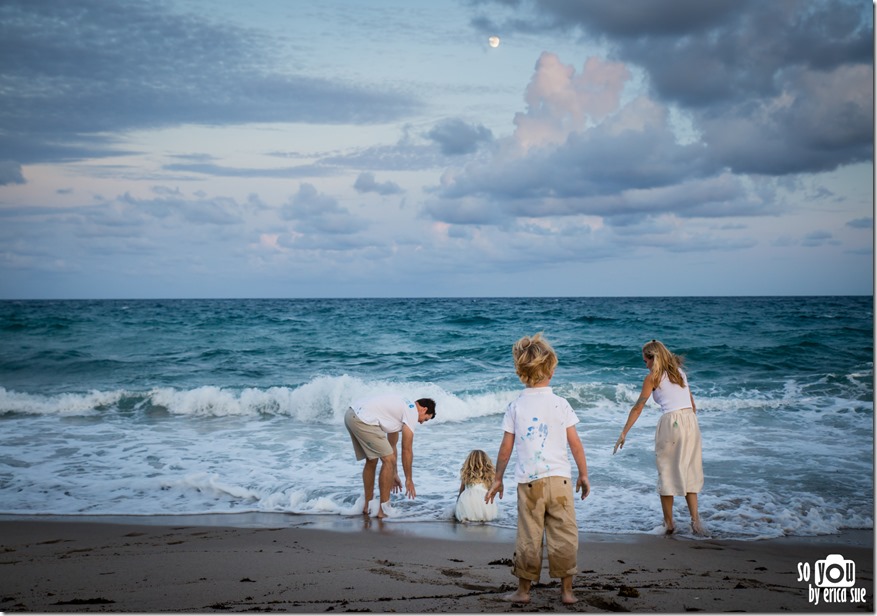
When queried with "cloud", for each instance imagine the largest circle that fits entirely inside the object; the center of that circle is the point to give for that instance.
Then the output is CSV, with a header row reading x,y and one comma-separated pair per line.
x,y
819,238
772,87
315,212
726,102
301,171
10,173
200,211
818,123
560,102
455,137
578,150
861,223
77,71
366,183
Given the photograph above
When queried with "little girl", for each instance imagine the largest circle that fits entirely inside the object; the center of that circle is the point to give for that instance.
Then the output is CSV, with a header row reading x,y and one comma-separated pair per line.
x,y
476,477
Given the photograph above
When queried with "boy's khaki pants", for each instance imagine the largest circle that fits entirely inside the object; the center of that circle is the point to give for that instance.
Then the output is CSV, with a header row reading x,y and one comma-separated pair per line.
x,y
546,506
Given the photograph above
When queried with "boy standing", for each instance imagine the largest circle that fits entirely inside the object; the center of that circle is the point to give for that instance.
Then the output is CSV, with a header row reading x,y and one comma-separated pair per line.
x,y
542,424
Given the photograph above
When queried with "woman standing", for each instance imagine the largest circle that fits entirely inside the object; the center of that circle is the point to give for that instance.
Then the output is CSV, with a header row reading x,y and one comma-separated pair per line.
x,y
677,439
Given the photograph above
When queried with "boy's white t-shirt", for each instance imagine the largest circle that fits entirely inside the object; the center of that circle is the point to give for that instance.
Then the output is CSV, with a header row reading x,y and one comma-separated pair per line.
x,y
538,418
388,411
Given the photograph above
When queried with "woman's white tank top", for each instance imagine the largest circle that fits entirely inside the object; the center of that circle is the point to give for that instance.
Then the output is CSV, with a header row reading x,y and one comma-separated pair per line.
x,y
670,396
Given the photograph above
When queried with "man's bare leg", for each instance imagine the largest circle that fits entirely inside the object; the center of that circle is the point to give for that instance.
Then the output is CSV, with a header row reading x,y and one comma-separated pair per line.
x,y
385,481
368,482
522,594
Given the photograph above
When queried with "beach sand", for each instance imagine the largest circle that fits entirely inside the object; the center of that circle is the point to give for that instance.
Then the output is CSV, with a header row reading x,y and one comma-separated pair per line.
x,y
311,565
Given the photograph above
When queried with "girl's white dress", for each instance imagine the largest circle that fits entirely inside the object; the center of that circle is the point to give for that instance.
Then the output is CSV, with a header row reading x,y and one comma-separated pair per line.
x,y
471,506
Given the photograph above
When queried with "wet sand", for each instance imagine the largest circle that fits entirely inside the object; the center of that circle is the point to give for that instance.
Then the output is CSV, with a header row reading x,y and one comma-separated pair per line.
x,y
312,564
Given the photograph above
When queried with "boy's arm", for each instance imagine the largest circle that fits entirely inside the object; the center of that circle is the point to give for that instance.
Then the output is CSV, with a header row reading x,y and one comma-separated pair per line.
x,y
502,461
578,454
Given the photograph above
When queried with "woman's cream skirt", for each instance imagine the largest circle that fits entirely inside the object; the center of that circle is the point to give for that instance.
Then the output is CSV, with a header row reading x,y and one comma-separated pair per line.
x,y
678,454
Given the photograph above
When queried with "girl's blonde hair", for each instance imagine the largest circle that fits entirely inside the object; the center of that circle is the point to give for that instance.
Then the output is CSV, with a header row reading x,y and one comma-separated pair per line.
x,y
478,468
535,360
664,362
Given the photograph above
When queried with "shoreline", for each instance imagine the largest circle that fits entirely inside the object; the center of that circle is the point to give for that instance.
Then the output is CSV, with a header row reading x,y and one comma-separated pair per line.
x,y
203,564
450,530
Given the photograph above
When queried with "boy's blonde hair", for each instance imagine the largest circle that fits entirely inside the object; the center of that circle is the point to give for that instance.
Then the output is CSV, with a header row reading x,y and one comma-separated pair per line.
x,y
664,362
478,468
535,360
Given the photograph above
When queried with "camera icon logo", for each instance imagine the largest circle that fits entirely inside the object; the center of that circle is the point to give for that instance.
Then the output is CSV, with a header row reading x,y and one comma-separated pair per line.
x,y
834,571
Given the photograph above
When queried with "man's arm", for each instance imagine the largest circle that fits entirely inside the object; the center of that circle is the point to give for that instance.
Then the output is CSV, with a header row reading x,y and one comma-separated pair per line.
x,y
408,460
393,438
502,461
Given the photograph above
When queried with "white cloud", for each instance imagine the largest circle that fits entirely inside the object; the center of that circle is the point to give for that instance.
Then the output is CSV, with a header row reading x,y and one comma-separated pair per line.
x,y
313,212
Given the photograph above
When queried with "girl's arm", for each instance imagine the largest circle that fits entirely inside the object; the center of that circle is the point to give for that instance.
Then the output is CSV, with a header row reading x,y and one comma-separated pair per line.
x,y
635,411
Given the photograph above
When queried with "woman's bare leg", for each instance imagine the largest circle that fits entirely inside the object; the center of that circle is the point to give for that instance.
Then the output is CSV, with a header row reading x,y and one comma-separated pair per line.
x,y
696,526
667,509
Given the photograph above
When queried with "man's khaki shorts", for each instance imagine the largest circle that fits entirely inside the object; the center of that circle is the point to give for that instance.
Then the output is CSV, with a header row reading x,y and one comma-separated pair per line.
x,y
368,441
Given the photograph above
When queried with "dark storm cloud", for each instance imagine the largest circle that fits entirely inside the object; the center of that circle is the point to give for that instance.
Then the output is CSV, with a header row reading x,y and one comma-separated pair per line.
x,y
74,72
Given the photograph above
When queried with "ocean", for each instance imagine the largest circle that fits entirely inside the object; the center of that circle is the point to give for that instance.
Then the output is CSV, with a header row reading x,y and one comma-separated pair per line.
x,y
181,407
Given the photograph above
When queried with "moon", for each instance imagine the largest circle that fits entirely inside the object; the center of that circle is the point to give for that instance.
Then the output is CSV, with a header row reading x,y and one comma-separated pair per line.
x,y
493,41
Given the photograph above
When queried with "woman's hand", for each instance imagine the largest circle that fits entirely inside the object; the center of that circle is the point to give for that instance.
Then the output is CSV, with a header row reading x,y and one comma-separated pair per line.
x,y
619,444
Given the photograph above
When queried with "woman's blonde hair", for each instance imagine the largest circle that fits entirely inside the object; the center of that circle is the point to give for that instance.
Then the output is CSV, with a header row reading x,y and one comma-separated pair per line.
x,y
663,362
478,468
535,360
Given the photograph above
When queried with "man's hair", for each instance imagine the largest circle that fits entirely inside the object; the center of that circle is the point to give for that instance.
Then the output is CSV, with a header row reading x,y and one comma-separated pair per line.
x,y
535,360
429,405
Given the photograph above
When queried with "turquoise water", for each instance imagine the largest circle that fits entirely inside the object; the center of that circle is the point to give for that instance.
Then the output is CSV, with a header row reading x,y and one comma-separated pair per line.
x,y
213,406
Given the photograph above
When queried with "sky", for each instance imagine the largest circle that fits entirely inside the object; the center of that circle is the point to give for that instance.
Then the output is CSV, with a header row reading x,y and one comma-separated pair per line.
x,y
383,148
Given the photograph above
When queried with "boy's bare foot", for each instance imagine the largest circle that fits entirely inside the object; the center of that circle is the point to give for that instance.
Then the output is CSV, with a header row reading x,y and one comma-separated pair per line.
x,y
517,597
566,593
669,530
